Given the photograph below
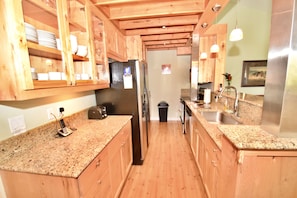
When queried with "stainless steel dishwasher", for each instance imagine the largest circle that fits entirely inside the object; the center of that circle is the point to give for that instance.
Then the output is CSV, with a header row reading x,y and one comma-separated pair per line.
x,y
188,124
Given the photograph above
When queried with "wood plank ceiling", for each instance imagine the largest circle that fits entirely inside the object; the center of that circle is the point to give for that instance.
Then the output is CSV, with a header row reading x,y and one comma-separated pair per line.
x,y
162,24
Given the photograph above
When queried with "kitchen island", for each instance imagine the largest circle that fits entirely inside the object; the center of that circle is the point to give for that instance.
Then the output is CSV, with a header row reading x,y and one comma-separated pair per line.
x,y
248,161
41,163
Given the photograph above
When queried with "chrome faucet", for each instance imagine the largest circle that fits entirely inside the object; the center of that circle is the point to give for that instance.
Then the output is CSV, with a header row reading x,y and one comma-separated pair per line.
x,y
235,108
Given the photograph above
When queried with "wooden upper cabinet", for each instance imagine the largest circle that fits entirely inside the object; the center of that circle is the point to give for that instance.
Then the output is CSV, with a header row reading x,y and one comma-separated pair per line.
x,y
115,43
212,68
28,42
134,47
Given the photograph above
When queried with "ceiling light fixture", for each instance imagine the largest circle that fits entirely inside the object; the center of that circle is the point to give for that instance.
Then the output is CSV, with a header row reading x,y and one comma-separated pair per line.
x,y
203,56
215,47
216,7
163,27
236,34
204,25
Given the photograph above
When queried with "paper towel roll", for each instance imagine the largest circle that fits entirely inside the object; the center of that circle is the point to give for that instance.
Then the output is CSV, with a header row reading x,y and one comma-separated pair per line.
x,y
207,95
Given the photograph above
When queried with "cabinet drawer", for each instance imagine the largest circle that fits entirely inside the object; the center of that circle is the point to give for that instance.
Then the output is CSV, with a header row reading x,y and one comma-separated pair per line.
x,y
101,187
96,170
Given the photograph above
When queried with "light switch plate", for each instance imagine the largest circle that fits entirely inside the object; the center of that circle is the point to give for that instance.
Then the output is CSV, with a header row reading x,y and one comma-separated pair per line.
x,y
17,124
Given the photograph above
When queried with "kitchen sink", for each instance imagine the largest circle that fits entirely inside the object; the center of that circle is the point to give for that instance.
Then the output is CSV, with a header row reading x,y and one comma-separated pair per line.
x,y
219,117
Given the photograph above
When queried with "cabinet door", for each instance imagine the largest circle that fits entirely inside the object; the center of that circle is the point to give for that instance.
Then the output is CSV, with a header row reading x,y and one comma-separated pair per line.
x,y
115,43
98,49
126,150
94,177
116,171
266,175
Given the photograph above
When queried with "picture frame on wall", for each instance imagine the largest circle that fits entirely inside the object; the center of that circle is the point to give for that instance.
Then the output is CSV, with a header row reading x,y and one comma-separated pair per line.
x,y
254,73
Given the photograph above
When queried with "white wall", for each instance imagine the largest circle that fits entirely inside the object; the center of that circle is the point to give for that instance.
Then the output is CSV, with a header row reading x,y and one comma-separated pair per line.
x,y
167,87
35,111
254,18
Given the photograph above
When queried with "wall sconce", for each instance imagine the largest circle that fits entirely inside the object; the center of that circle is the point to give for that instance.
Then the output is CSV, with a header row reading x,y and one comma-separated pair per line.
x,y
203,56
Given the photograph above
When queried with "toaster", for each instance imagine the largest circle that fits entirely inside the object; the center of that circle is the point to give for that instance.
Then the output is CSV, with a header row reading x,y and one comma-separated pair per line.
x,y
97,112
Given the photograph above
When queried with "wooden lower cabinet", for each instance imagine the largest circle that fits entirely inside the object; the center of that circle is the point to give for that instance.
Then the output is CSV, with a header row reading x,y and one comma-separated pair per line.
x,y
104,177
120,159
258,173
230,172
207,157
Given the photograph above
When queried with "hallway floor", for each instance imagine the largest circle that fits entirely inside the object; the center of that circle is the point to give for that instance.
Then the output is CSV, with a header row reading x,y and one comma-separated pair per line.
x,y
168,170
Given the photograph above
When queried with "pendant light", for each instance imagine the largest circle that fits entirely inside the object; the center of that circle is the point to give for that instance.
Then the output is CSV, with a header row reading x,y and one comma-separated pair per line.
x,y
236,34
215,47
203,56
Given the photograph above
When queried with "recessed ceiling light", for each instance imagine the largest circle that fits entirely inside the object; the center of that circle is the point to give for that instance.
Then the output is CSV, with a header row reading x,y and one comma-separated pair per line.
x,y
163,27
204,25
216,7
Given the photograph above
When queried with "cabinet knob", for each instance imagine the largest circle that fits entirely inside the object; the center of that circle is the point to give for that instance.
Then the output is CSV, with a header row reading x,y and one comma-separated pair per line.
x,y
99,181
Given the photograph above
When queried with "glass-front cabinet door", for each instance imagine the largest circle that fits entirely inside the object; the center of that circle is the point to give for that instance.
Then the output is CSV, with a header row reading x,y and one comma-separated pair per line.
x,y
41,26
50,44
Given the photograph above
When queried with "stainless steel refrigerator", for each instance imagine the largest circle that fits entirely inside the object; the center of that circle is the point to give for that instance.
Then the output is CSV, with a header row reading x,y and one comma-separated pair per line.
x,y
129,95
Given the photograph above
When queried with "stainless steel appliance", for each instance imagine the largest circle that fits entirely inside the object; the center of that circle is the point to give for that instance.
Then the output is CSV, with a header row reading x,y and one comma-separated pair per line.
x,y
188,123
128,95
182,113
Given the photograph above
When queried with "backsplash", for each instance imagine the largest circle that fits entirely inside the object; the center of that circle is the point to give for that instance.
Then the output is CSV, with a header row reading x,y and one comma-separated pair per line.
x,y
249,108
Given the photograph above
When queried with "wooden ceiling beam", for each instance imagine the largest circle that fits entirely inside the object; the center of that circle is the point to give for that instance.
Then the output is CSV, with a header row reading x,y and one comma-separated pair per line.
x,y
153,22
164,46
165,36
153,9
148,31
179,41
112,2
209,16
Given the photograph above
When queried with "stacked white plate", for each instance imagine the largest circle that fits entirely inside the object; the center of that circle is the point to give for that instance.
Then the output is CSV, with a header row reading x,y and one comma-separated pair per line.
x,y
46,38
31,33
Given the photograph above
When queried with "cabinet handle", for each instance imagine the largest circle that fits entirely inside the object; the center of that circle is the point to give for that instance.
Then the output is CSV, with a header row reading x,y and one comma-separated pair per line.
x,y
215,150
98,163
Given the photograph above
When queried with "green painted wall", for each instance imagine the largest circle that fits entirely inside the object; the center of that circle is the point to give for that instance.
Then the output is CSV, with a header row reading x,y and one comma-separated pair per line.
x,y
254,19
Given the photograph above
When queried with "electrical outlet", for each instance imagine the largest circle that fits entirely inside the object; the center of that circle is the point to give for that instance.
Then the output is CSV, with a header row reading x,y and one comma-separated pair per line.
x,y
50,113
17,124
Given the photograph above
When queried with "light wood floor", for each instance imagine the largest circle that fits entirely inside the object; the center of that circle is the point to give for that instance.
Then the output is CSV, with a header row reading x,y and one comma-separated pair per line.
x,y
169,169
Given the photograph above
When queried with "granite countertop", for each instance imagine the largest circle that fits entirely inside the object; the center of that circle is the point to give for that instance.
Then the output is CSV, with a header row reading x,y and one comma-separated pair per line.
x,y
49,154
253,137
249,137
212,129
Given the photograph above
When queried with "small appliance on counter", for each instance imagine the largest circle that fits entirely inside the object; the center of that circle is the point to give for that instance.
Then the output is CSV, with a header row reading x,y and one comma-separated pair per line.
x,y
97,112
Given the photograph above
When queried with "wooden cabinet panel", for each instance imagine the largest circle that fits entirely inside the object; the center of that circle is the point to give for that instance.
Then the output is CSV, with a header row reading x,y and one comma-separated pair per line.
x,y
120,151
89,178
101,187
207,156
212,68
19,185
134,48
115,43
127,156
116,171
257,173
